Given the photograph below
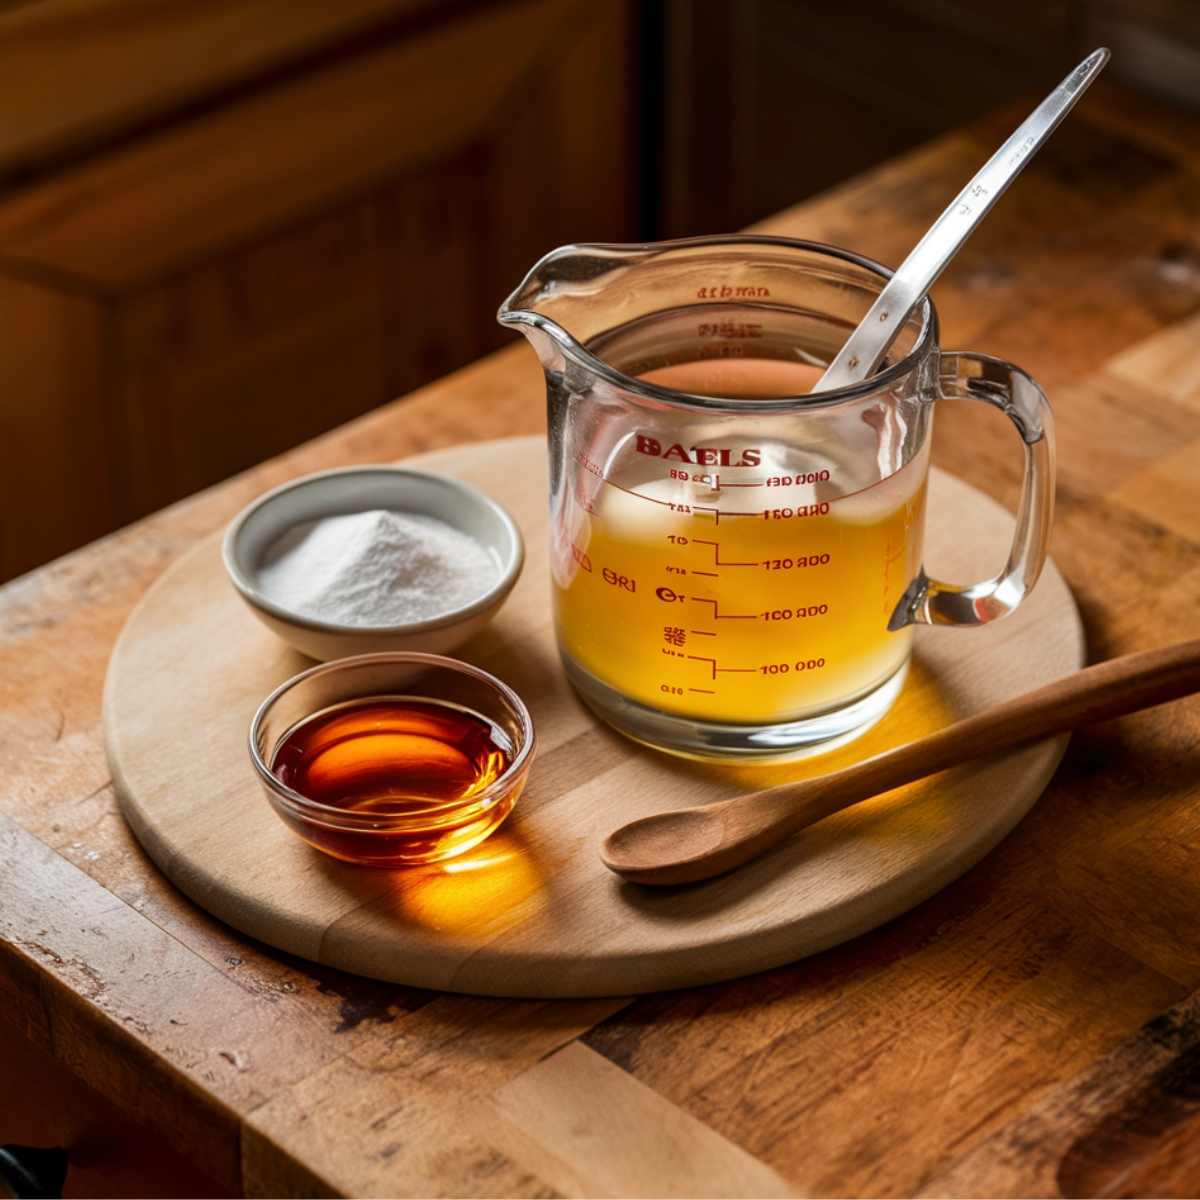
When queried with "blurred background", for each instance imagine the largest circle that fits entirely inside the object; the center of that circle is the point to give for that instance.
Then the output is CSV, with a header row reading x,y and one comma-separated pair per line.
x,y
229,225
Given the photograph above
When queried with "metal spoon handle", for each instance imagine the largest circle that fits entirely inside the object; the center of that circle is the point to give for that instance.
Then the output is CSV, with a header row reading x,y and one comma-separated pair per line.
x,y
863,350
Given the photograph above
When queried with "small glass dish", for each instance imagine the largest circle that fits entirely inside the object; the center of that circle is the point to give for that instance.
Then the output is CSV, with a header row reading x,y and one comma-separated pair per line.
x,y
392,760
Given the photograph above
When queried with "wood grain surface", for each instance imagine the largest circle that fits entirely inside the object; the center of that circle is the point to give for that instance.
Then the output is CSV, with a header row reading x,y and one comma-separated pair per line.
x,y
73,76
412,102
207,261
1029,1030
533,911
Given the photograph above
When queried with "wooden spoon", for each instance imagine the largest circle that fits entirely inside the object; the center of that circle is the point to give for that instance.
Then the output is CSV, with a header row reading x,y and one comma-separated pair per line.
x,y
689,844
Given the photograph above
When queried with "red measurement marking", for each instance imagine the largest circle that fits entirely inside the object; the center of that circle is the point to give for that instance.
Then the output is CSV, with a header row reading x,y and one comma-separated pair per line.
x,y
717,556
729,329
720,616
740,291
713,661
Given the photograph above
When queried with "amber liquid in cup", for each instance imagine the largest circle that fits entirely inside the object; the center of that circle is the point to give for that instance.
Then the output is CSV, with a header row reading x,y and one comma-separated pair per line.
x,y
399,756
730,591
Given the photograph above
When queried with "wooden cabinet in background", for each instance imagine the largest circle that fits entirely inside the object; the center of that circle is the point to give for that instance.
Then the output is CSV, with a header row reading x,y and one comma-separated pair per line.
x,y
262,218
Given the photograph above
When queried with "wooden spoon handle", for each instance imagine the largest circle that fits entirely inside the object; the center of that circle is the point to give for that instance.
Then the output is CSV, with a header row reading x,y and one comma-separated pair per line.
x,y
1098,693
732,832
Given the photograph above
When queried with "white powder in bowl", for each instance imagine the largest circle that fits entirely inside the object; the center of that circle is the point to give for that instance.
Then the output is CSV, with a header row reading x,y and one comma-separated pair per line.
x,y
375,569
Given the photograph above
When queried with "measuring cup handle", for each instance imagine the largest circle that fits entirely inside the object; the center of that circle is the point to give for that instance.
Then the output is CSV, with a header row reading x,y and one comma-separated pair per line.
x,y
965,376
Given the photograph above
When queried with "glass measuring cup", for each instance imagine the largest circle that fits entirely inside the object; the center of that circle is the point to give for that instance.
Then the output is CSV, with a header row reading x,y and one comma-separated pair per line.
x,y
737,565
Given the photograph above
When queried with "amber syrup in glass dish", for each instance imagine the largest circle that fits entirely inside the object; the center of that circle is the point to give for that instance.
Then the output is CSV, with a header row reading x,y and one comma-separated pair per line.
x,y
414,777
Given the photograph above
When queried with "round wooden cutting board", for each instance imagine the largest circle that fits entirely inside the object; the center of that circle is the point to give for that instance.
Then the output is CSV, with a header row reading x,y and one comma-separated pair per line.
x,y
532,911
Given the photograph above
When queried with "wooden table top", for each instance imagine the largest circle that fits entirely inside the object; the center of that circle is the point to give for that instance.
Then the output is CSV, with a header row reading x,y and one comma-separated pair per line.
x,y
1034,1029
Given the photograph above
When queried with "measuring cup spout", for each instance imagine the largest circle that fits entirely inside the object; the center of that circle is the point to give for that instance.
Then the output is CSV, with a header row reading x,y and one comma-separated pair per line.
x,y
548,348
568,298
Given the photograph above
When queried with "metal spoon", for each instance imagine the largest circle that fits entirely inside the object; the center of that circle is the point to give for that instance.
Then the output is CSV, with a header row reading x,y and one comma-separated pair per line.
x,y
696,843
867,345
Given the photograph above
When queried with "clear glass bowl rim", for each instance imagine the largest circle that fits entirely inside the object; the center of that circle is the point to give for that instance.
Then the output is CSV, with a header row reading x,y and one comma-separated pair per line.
x,y
340,818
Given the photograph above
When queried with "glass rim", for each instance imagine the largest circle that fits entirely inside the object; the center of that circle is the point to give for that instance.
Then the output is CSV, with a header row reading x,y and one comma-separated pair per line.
x,y
689,401
342,818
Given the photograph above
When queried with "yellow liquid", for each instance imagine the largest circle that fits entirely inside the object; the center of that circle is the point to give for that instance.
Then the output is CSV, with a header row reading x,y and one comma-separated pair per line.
x,y
736,605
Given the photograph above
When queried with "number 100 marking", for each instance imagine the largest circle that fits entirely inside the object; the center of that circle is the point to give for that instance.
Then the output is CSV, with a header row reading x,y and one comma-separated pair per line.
x,y
811,664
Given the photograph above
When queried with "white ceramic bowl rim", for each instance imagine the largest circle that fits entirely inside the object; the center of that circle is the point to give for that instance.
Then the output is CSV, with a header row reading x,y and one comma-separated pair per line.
x,y
510,568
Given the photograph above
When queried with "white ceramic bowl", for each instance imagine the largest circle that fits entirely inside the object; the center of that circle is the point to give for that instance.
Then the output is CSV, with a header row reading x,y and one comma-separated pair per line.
x,y
361,489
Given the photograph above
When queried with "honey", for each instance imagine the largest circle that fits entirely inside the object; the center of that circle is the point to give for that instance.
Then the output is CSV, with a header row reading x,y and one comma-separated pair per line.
x,y
412,774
